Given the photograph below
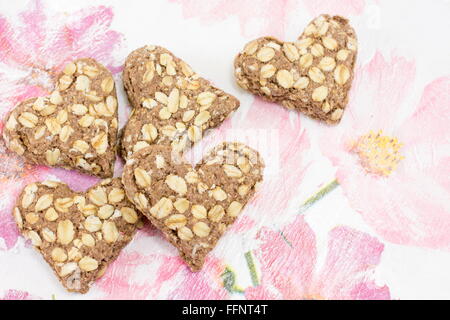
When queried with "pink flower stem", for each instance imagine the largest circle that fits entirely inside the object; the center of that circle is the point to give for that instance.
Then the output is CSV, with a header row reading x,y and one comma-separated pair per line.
x,y
326,189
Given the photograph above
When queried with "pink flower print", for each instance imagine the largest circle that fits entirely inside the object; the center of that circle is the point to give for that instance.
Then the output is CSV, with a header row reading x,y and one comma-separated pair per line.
x,y
150,268
286,260
339,7
17,295
156,276
266,17
206,284
349,266
393,168
288,263
118,283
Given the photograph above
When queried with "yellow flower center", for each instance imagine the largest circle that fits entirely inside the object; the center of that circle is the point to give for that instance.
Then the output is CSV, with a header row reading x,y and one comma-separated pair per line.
x,y
378,154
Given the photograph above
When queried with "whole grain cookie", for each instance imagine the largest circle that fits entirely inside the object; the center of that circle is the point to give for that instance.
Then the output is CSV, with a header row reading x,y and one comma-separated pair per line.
x,y
172,104
78,234
193,207
75,127
312,74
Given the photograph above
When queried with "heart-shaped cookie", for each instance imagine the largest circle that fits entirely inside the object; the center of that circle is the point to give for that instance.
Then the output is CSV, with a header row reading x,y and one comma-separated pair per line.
x,y
313,74
172,104
78,234
75,127
192,206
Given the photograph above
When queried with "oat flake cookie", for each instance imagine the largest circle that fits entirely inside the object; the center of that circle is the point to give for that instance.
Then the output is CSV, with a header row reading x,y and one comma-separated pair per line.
x,y
193,207
78,234
75,127
312,74
172,105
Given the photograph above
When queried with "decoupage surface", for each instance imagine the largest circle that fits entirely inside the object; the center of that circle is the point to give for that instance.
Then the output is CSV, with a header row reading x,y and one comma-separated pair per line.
x,y
357,210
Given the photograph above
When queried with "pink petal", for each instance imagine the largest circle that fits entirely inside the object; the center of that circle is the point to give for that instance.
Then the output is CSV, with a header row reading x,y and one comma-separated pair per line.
x,y
47,42
11,51
432,116
8,229
352,256
12,294
286,260
269,15
91,26
339,7
243,224
206,284
262,292
378,90
33,28
370,291
293,146
138,276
